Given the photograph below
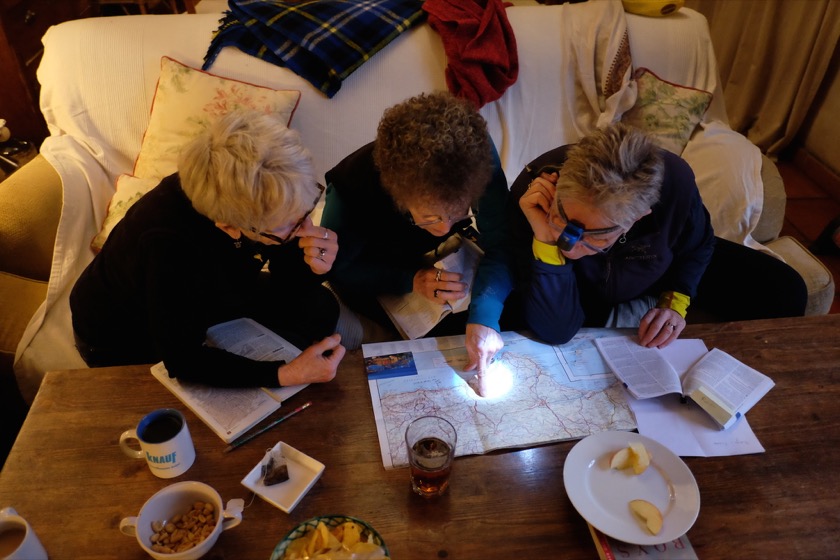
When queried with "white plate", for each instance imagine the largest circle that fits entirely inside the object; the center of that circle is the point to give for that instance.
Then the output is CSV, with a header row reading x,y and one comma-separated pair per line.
x,y
303,472
602,495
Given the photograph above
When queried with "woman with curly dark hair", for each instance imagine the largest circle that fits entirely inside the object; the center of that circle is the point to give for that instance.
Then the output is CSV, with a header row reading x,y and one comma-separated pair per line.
x,y
431,173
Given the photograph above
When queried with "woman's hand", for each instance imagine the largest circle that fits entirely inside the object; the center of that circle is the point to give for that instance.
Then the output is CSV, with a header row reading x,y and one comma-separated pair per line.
x,y
482,345
439,285
536,203
660,327
319,244
316,364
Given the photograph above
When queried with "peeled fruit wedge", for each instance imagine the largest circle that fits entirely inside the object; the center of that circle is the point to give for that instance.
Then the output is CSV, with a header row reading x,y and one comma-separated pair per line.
x,y
648,514
634,456
641,457
621,459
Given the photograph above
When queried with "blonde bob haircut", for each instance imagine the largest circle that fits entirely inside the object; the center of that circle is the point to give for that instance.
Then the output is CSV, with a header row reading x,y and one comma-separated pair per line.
x,y
434,149
617,170
248,170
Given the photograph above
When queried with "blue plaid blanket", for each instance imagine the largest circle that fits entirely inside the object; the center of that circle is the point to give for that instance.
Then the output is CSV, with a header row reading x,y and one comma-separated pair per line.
x,y
323,41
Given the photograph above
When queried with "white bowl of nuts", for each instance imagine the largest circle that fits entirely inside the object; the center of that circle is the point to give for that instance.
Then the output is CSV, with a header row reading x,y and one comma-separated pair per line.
x,y
182,521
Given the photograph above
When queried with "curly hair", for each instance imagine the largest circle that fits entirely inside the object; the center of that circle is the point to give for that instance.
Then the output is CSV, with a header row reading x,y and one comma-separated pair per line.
x,y
434,149
248,170
618,170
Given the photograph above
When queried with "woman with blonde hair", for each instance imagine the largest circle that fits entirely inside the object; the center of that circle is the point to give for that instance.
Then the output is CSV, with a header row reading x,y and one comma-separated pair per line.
x,y
191,253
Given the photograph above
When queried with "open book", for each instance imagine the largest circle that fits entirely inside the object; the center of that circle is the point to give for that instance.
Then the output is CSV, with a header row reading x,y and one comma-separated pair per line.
x,y
232,412
415,315
723,386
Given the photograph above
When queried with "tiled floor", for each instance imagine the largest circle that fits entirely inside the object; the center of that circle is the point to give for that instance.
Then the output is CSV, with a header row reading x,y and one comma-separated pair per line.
x,y
809,209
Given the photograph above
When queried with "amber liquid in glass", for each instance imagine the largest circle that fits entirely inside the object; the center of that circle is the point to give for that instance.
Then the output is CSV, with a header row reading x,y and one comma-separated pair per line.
x,y
431,464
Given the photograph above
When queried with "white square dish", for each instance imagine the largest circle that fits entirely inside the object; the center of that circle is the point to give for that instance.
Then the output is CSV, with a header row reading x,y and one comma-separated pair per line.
x,y
303,472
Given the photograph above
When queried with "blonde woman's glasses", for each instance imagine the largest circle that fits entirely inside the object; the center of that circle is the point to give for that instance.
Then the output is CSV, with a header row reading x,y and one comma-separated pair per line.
x,y
288,237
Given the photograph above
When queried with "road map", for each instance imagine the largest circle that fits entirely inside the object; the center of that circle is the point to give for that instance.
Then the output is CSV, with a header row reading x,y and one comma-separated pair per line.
x,y
549,393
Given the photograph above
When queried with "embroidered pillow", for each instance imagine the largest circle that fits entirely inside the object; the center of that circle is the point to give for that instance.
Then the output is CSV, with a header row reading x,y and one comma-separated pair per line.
x,y
669,112
186,101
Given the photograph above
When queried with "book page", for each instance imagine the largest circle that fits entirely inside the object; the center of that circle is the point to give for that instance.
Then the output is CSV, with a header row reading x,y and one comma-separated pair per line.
x,y
413,314
733,383
465,262
245,337
230,412
644,371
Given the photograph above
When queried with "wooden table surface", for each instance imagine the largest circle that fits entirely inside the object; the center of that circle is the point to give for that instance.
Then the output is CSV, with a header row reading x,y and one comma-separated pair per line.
x,y
68,477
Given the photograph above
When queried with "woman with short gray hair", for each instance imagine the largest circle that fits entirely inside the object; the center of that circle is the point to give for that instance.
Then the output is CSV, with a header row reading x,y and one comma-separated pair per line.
x,y
612,232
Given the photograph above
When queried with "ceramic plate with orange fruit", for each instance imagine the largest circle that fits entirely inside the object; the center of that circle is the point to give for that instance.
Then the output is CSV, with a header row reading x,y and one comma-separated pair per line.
x,y
602,492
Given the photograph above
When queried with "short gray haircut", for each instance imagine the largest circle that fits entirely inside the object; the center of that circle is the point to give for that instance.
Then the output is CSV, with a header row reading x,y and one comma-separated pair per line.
x,y
618,170
248,170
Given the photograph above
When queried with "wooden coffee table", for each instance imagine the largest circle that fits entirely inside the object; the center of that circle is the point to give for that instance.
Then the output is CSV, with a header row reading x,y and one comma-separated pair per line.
x,y
68,477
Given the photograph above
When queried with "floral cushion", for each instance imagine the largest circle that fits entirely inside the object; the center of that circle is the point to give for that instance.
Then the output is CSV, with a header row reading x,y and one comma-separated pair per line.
x,y
186,101
669,112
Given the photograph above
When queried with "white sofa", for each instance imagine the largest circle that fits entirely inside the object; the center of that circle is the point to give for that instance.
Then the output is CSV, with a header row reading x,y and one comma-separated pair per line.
x,y
99,77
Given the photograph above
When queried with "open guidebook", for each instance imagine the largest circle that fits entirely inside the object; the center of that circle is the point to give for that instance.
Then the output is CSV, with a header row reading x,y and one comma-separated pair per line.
x,y
227,411
415,315
720,384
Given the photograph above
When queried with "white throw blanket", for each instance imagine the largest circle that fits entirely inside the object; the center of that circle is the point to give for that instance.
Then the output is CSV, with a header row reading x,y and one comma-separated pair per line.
x,y
47,343
574,49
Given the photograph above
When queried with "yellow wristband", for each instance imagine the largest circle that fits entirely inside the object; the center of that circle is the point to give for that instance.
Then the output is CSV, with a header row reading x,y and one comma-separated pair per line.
x,y
547,253
676,301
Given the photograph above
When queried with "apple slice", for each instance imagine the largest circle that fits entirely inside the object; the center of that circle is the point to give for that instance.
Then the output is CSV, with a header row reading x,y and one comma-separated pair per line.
x,y
640,457
648,514
635,455
621,459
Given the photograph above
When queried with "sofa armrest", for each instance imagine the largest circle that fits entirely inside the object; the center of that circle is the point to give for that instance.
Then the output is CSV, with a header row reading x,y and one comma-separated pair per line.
x,y
775,200
30,208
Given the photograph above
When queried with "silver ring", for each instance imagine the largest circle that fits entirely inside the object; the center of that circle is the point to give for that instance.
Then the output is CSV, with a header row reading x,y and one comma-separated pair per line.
x,y
436,293
672,325
437,277
326,234
322,251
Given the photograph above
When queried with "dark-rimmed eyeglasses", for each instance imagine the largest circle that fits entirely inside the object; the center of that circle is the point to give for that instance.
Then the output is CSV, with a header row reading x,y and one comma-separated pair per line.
x,y
573,232
288,237
441,219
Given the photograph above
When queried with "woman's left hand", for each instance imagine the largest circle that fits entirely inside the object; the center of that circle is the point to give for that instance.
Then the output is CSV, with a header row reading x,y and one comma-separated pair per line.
x,y
319,244
660,327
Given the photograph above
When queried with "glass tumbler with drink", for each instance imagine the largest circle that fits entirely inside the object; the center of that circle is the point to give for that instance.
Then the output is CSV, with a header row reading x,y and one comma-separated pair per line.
x,y
430,442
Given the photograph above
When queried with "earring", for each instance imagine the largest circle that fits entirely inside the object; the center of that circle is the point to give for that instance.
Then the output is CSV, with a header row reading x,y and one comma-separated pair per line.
x,y
237,243
623,238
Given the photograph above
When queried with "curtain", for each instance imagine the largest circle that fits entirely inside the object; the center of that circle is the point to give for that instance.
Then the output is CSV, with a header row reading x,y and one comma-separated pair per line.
x,y
773,56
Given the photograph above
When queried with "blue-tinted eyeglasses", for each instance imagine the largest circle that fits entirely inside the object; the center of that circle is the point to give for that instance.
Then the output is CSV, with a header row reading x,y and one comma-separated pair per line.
x,y
573,232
